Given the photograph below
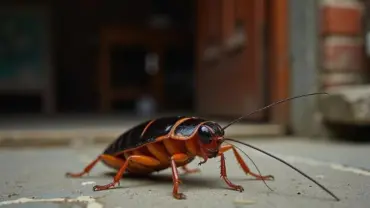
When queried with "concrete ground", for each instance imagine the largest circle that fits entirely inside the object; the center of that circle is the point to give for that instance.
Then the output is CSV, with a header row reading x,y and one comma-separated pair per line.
x,y
36,178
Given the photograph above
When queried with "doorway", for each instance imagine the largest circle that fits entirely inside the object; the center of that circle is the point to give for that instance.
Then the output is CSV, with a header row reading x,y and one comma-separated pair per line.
x,y
124,41
214,55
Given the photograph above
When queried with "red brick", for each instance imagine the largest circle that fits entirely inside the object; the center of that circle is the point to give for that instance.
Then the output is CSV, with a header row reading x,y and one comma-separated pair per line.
x,y
346,20
342,54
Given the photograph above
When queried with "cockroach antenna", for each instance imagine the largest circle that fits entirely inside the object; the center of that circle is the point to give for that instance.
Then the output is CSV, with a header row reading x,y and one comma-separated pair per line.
x,y
286,163
271,105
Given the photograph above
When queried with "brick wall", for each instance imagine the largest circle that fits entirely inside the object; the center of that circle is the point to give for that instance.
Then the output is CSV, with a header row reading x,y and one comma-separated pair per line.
x,y
342,53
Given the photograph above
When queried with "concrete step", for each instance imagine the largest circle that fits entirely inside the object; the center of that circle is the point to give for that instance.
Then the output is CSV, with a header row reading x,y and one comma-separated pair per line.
x,y
347,105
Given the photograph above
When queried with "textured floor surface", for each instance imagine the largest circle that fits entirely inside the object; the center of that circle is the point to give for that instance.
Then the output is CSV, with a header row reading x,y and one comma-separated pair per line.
x,y
35,177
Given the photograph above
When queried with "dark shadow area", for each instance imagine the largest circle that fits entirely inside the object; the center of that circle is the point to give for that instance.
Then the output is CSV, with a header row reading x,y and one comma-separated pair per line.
x,y
10,104
349,133
151,179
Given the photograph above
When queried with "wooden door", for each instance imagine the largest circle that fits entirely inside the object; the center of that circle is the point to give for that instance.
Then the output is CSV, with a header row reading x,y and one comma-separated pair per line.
x,y
230,42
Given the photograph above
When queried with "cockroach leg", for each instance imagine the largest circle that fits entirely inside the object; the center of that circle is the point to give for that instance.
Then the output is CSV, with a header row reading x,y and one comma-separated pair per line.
x,y
286,163
176,182
86,170
189,171
175,175
242,164
224,176
116,179
141,159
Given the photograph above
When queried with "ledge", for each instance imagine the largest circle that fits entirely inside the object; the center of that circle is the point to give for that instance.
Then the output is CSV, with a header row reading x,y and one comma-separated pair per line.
x,y
347,105
43,132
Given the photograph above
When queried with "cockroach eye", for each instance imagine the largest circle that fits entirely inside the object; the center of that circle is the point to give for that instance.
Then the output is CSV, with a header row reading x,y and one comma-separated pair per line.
x,y
205,135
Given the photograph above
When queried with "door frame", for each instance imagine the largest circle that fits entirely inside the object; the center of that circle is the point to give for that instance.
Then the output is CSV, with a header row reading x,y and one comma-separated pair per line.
x,y
279,59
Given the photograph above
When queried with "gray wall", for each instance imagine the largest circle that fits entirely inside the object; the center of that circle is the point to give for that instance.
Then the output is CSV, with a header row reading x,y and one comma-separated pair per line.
x,y
303,40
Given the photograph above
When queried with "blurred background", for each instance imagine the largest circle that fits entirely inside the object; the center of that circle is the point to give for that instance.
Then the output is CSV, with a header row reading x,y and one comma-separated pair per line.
x,y
122,60
81,72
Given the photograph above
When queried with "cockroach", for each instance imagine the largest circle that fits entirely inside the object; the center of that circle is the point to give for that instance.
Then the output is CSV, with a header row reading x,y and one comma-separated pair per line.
x,y
161,143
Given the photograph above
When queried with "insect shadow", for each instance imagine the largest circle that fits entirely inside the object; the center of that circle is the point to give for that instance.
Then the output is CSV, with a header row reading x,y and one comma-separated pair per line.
x,y
162,177
195,181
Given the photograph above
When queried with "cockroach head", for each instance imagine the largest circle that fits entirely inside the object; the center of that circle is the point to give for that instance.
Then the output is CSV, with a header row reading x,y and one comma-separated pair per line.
x,y
210,135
